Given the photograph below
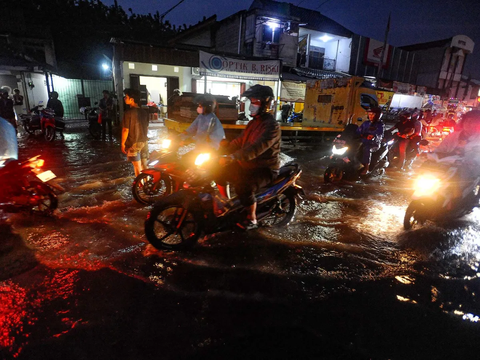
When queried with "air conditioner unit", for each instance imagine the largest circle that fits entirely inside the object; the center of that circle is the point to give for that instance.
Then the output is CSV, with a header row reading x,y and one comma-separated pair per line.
x,y
195,71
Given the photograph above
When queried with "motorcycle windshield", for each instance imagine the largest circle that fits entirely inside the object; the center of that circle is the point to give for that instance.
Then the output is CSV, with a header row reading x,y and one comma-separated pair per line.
x,y
8,141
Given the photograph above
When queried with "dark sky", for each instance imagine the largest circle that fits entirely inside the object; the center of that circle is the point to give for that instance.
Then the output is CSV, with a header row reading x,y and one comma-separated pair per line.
x,y
412,21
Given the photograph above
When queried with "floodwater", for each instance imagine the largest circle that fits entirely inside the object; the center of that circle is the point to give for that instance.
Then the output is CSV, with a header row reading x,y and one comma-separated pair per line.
x,y
344,280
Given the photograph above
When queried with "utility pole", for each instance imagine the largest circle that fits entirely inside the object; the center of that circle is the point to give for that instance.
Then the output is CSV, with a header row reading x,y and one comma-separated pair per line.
x,y
382,56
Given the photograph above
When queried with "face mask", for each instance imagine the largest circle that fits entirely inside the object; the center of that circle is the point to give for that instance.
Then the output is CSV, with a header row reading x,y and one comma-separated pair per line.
x,y
200,110
254,109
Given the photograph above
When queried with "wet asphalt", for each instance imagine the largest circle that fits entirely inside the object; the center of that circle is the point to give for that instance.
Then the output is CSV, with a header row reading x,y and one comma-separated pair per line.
x,y
343,281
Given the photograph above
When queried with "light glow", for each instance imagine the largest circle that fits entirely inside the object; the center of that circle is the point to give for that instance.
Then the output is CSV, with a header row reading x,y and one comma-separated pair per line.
x,y
166,143
340,151
325,38
202,158
427,184
105,66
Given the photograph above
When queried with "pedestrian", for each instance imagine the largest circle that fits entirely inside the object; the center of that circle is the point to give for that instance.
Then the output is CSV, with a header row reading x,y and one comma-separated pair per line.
x,y
17,102
135,131
286,111
55,104
6,109
106,110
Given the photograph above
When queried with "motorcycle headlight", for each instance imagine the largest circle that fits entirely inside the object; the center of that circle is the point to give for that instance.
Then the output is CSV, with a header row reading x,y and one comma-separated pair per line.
x,y
427,183
340,151
202,158
166,143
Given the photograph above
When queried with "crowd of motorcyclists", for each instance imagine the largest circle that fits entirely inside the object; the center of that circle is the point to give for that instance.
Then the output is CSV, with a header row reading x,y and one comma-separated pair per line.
x,y
251,161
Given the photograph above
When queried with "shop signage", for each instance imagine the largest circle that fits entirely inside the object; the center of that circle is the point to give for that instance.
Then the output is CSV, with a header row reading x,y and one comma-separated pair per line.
x,y
292,92
216,65
374,52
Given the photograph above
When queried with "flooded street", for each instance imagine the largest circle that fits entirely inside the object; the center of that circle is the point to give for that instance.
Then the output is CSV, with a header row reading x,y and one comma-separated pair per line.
x,y
343,281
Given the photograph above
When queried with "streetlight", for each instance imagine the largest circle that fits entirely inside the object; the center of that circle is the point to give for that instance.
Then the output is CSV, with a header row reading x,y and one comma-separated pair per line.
x,y
105,66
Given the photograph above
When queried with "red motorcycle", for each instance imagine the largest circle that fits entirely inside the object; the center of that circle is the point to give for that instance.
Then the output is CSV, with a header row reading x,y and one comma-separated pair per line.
x,y
165,174
43,120
25,185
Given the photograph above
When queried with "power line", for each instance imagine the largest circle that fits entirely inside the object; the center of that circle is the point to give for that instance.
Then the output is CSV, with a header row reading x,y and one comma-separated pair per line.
x,y
323,3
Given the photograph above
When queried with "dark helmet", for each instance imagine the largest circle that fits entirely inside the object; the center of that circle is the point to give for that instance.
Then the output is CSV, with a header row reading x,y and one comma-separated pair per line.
x,y
208,103
404,115
376,110
260,92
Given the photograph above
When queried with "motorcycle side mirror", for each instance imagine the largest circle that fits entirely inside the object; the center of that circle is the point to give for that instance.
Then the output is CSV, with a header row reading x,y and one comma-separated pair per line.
x,y
359,119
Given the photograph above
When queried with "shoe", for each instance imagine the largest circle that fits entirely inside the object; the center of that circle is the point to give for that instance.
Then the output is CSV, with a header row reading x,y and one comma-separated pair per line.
x,y
247,225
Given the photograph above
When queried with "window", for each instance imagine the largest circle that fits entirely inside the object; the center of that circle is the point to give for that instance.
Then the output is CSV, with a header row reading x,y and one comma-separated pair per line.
x,y
324,99
367,100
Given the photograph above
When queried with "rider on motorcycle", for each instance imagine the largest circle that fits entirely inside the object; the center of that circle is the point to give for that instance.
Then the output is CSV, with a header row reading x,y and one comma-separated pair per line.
x,y
371,132
406,131
254,156
464,143
206,128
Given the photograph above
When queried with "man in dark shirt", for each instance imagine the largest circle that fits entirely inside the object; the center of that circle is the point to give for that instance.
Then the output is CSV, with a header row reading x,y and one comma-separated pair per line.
x,y
106,109
55,104
254,156
134,132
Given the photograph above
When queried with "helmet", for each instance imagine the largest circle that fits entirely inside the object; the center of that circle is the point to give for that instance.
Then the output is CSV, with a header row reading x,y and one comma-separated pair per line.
x,y
208,103
403,115
260,92
376,110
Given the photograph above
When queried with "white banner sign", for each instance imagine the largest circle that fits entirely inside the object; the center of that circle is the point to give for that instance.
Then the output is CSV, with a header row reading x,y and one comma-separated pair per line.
x,y
292,92
216,65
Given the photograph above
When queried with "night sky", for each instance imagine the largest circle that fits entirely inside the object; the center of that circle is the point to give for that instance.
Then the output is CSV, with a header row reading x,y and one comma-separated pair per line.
x,y
412,21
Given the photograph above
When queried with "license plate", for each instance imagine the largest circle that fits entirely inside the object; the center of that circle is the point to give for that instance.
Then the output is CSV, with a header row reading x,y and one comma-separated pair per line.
x,y
46,176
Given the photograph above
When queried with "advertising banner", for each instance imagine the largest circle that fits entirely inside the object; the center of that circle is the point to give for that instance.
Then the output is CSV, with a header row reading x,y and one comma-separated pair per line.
x,y
374,52
292,92
216,65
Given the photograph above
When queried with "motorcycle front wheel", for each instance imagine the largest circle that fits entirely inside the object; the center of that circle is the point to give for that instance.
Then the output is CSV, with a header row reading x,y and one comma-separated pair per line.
x,y
146,191
28,129
171,226
44,201
49,133
95,129
412,218
282,210
333,175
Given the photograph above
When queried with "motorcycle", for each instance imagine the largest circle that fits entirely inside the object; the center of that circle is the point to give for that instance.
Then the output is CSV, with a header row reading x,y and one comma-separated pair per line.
x,y
165,174
434,189
94,123
295,117
412,152
177,221
25,186
43,120
346,157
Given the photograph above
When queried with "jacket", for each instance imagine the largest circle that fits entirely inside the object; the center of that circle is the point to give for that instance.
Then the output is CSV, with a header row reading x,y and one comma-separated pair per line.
x,y
258,146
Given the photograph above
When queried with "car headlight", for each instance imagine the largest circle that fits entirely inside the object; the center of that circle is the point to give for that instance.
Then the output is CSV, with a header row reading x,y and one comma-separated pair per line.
x,y
340,151
202,158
